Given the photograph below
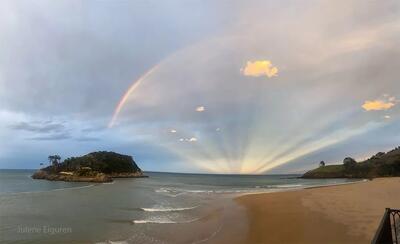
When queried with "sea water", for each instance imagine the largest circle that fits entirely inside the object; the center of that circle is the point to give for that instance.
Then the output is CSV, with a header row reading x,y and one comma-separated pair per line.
x,y
164,208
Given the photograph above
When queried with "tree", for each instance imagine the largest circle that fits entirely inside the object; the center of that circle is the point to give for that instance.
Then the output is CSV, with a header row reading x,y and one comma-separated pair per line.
x,y
349,163
51,159
54,159
58,158
321,164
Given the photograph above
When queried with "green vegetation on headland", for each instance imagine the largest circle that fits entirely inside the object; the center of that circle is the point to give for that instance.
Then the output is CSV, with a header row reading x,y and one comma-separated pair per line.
x,y
93,167
379,165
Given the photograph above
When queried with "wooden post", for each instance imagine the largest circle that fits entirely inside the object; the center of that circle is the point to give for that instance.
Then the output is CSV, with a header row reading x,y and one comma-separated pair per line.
x,y
384,233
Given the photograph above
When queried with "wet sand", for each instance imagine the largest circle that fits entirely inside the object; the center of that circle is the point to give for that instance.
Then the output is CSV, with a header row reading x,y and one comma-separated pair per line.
x,y
335,214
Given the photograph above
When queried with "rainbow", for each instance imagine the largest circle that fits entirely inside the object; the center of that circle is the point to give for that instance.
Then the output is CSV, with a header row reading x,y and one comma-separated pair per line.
x,y
127,94
137,83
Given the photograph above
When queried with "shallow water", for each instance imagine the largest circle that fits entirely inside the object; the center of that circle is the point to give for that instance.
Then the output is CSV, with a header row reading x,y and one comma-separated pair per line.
x,y
164,208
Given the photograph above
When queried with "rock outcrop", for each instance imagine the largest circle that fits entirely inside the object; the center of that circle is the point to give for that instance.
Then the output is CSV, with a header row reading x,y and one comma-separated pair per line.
x,y
97,178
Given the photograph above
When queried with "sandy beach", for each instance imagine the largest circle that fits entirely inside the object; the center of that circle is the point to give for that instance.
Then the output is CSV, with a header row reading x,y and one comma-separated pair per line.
x,y
334,214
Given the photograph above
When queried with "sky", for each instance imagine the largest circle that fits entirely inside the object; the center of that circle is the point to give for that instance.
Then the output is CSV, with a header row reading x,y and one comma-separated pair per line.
x,y
248,87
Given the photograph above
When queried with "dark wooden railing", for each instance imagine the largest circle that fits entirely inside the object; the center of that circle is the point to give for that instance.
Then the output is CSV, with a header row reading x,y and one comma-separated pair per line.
x,y
389,229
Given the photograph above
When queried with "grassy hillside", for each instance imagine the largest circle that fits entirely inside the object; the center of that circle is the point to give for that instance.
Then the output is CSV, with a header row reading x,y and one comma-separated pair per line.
x,y
379,165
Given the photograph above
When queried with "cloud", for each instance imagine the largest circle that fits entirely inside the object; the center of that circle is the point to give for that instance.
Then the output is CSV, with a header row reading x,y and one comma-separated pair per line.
x,y
341,51
200,109
47,130
260,68
376,105
43,130
52,137
173,131
41,127
94,129
87,139
192,139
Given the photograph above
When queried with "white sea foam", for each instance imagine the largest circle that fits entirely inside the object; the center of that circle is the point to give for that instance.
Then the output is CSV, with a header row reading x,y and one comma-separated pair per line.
x,y
109,183
162,221
177,192
174,192
289,186
170,192
162,190
162,209
113,242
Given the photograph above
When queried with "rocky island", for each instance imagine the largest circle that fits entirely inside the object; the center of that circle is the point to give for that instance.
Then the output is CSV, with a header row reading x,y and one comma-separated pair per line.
x,y
380,165
92,167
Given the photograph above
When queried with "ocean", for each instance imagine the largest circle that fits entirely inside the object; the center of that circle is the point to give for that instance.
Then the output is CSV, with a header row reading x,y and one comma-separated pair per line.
x,y
164,208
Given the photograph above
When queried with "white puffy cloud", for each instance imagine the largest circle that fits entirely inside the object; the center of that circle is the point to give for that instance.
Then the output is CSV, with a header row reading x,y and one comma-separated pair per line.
x,y
200,109
193,139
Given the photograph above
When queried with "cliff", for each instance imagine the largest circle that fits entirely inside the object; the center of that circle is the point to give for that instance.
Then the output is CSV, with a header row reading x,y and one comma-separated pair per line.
x,y
380,165
93,167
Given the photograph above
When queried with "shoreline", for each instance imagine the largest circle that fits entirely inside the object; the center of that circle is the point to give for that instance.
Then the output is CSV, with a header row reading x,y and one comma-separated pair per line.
x,y
338,213
94,177
300,188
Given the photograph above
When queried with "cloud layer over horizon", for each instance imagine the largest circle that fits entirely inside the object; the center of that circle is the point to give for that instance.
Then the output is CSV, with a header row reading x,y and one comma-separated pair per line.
x,y
236,87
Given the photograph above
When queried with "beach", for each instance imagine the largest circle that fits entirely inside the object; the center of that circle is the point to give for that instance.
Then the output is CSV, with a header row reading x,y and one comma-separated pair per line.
x,y
347,213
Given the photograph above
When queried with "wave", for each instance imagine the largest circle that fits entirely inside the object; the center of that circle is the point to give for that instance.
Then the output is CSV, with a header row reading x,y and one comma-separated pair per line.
x,y
174,192
288,186
163,221
167,209
178,192
199,191
109,183
162,190
112,242
170,192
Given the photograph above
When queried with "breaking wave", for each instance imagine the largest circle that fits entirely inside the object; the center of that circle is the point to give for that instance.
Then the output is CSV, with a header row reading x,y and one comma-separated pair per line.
x,y
162,209
163,221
